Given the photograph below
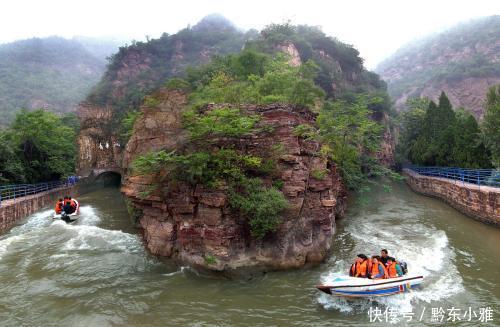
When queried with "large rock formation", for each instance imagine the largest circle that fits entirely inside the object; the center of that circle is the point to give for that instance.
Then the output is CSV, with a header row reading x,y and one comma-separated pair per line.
x,y
463,62
196,225
99,148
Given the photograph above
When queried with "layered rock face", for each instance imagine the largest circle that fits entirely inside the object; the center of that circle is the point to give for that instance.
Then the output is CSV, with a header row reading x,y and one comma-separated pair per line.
x,y
98,146
196,225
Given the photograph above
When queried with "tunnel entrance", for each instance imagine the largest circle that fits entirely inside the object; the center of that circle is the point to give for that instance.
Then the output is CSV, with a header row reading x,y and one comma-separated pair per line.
x,y
109,179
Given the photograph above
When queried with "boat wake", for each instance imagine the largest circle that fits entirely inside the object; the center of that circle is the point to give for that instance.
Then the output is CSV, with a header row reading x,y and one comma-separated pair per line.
x,y
65,238
424,248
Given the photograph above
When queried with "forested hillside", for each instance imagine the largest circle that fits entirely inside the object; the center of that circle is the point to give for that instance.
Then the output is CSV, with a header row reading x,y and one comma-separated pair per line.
x,y
52,73
142,67
214,62
463,62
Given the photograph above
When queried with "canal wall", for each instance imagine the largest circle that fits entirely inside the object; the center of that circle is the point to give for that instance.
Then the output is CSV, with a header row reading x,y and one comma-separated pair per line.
x,y
479,202
13,210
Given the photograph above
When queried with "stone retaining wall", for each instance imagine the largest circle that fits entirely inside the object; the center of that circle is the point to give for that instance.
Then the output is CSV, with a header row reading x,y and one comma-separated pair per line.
x,y
13,210
479,202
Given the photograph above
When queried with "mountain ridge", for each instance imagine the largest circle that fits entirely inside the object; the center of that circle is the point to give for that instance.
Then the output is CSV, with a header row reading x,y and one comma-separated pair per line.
x,y
463,61
52,73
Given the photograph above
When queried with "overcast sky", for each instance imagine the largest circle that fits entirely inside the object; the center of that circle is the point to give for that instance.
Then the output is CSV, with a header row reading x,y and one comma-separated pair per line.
x,y
375,27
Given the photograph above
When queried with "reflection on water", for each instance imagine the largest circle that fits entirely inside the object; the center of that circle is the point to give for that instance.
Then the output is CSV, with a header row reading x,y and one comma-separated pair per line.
x,y
97,273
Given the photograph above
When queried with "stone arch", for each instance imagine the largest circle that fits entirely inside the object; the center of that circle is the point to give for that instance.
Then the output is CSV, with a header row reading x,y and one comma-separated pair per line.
x,y
109,177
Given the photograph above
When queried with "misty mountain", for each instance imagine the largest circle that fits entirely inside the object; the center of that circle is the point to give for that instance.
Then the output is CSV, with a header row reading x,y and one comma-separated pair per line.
x,y
138,69
53,73
463,61
101,47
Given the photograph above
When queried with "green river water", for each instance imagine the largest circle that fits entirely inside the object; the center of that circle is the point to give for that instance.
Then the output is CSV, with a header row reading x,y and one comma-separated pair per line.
x,y
97,272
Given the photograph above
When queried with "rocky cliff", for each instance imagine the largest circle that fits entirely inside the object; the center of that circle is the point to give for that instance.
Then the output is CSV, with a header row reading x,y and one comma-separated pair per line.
x,y
196,225
463,62
99,148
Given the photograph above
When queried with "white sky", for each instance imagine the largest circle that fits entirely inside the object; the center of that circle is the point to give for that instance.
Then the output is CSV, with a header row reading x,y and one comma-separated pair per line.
x,y
375,27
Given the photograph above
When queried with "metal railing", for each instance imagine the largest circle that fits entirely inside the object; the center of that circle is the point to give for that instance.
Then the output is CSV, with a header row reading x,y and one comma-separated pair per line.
x,y
487,177
16,191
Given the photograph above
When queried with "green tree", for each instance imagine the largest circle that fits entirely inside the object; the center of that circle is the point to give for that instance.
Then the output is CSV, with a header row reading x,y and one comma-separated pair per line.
x,y
434,146
351,137
411,123
11,168
468,148
440,136
43,144
491,124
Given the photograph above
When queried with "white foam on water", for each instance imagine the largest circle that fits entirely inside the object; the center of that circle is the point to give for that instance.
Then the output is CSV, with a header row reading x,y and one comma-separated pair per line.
x,y
424,249
88,216
85,237
81,235
5,243
20,233
180,271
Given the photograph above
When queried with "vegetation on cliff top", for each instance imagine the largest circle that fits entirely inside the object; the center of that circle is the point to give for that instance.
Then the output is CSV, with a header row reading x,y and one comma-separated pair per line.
x,y
340,68
216,167
435,135
349,134
142,67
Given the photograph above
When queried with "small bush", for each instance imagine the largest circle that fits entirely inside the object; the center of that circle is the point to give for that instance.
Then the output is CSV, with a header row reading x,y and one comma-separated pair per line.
x,y
319,174
304,131
150,101
278,184
178,84
127,125
219,122
210,260
152,162
262,206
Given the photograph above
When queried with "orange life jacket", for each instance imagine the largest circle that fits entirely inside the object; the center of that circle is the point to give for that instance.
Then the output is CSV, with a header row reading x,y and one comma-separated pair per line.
x,y
376,270
354,269
369,266
58,208
362,269
391,271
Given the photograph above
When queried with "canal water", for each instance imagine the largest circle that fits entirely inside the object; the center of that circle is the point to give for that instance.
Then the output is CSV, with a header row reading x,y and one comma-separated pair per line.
x,y
97,273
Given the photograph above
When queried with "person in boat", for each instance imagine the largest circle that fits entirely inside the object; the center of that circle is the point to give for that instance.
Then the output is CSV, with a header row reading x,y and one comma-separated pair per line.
x,y
59,206
74,204
393,268
360,267
378,270
383,256
67,207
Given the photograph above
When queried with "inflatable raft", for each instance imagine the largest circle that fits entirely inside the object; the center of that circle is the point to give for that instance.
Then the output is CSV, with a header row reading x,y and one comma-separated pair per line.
x,y
363,287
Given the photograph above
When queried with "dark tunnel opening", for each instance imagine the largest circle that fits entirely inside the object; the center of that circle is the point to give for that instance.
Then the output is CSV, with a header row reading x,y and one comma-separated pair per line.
x,y
109,179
